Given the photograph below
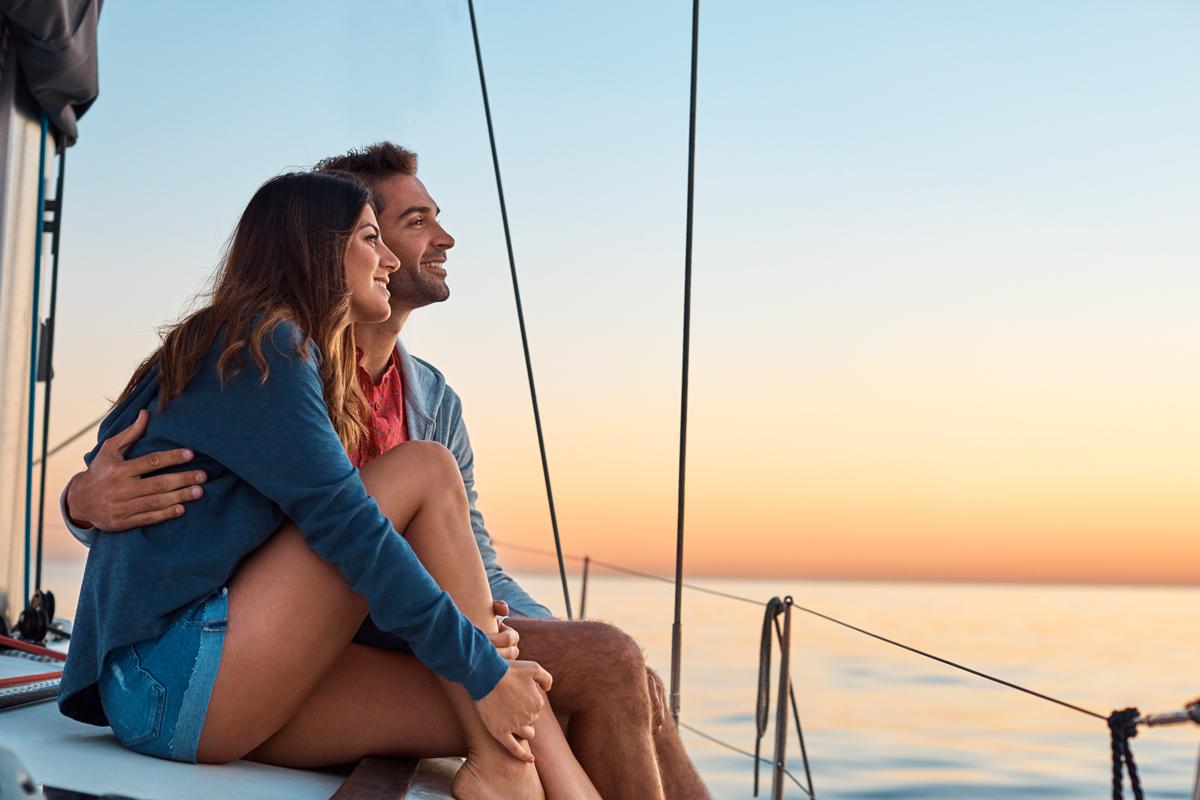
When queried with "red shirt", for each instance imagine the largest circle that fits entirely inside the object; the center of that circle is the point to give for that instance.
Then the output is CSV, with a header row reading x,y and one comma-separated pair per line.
x,y
385,428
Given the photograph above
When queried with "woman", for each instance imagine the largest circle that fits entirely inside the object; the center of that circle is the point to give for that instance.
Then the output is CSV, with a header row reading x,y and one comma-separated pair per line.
x,y
226,633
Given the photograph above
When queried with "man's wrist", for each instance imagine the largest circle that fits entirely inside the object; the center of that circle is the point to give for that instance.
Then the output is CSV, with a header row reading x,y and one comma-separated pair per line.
x,y
71,518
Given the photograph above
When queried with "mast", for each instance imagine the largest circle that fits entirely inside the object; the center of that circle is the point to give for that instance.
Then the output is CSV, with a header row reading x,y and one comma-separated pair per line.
x,y
20,143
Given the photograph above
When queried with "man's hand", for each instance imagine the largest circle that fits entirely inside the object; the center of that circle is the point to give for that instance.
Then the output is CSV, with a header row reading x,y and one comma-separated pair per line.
x,y
112,495
658,699
506,640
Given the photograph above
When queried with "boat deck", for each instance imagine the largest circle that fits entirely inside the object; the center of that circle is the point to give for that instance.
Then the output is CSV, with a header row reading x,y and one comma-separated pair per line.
x,y
67,754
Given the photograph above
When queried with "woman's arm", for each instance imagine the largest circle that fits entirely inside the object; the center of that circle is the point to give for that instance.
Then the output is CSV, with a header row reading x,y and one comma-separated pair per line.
x,y
276,436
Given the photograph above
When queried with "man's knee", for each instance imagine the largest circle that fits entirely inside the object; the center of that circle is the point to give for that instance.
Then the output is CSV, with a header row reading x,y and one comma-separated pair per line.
x,y
616,650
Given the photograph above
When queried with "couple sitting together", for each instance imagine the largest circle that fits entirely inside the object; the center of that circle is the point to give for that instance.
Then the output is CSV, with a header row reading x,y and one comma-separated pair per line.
x,y
291,567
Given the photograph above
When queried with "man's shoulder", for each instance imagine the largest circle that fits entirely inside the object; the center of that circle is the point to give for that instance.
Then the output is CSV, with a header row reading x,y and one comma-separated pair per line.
x,y
430,383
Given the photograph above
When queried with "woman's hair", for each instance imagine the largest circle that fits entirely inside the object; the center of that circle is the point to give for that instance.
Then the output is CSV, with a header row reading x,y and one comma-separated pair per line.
x,y
285,261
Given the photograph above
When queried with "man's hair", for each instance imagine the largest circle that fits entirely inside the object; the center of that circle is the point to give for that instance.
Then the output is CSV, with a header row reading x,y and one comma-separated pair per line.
x,y
371,164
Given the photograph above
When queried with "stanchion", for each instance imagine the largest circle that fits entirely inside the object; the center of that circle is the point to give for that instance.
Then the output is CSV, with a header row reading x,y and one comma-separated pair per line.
x,y
587,562
781,715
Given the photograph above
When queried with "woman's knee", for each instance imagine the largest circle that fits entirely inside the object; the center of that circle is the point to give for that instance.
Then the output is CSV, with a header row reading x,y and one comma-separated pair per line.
x,y
428,467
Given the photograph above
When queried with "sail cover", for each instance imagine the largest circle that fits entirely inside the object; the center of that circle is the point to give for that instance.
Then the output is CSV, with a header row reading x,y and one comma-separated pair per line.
x,y
54,42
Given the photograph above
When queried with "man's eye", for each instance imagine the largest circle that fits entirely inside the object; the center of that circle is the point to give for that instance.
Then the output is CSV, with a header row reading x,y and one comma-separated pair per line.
x,y
418,221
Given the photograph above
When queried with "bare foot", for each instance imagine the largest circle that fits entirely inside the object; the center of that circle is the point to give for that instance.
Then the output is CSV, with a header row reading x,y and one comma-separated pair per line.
x,y
503,778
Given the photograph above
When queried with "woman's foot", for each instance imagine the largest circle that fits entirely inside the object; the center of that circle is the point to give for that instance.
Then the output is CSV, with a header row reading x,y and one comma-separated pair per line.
x,y
496,778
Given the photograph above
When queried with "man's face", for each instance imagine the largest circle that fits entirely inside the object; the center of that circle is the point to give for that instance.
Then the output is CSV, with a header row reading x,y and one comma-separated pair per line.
x,y
409,226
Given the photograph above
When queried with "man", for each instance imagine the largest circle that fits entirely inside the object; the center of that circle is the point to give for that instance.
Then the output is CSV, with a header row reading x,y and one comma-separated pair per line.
x,y
617,722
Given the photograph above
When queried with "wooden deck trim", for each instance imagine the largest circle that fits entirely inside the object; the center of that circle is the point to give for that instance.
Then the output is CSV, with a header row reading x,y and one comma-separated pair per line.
x,y
378,778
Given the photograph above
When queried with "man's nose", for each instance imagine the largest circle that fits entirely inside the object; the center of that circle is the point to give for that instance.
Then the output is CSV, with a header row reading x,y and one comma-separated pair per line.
x,y
444,239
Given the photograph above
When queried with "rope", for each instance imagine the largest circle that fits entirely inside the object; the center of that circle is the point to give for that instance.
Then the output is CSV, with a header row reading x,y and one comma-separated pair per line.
x,y
1123,725
762,702
28,647
512,267
677,624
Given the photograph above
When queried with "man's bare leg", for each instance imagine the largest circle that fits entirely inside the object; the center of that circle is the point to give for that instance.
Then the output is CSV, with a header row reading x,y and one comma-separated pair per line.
x,y
600,680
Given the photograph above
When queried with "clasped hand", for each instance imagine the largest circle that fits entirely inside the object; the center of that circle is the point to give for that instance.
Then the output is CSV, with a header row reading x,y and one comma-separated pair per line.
x,y
511,708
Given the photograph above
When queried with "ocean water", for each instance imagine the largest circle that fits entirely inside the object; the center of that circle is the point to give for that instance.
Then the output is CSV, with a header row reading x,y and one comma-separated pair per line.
x,y
884,724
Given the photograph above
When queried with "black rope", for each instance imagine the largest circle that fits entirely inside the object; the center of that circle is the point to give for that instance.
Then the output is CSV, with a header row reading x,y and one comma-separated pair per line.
x,y
512,267
677,624
48,355
762,702
1123,725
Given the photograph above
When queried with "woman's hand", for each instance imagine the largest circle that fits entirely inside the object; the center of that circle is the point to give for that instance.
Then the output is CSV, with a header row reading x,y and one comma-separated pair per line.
x,y
511,708
505,640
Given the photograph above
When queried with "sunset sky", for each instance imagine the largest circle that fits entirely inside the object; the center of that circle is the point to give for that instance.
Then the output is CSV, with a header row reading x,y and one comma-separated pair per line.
x,y
946,262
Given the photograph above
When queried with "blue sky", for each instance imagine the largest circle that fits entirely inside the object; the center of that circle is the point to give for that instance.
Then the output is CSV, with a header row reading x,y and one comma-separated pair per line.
x,y
945,251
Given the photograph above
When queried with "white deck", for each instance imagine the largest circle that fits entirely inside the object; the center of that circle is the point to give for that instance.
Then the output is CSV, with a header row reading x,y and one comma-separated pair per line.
x,y
61,752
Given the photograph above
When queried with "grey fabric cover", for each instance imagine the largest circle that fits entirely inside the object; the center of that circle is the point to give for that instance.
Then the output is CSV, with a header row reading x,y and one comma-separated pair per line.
x,y
54,41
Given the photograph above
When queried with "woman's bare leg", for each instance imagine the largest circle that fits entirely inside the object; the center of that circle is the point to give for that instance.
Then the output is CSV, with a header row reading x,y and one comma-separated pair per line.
x,y
292,614
453,561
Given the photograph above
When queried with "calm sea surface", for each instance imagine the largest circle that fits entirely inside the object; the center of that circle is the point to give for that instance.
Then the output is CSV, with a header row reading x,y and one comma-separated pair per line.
x,y
883,723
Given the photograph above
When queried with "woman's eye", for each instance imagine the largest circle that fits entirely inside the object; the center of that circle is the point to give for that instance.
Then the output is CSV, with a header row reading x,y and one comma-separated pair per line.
x,y
373,238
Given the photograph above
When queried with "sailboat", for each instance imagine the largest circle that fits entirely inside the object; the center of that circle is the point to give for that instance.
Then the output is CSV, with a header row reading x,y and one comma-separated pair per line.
x,y
51,749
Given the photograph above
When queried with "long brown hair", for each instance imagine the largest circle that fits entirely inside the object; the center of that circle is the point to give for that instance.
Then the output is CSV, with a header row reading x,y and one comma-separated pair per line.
x,y
285,261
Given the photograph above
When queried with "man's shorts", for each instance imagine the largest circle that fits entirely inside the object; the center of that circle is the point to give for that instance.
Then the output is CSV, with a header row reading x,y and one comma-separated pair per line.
x,y
155,693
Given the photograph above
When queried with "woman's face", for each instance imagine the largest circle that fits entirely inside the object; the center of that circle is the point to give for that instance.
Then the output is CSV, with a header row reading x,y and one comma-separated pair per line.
x,y
368,264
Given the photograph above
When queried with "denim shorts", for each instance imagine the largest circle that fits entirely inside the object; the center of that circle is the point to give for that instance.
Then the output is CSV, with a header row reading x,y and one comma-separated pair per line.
x,y
155,693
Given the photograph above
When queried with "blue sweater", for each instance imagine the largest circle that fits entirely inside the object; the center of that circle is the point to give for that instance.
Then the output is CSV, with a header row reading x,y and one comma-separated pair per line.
x,y
271,454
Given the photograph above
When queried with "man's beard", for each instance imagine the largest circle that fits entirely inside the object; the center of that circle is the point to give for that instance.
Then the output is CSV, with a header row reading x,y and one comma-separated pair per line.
x,y
416,292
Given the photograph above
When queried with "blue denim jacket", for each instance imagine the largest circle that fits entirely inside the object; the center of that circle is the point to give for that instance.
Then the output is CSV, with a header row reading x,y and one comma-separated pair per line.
x,y
135,583
433,412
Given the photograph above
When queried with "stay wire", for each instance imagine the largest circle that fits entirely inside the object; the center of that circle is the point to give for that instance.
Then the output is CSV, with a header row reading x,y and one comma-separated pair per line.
x,y
836,621
677,624
512,266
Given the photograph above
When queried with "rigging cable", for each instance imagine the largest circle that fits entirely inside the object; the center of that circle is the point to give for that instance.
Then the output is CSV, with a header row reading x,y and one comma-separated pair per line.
x,y
676,625
33,348
512,266
48,354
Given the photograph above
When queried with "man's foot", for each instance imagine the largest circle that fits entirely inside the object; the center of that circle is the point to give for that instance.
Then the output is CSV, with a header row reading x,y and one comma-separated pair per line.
x,y
503,778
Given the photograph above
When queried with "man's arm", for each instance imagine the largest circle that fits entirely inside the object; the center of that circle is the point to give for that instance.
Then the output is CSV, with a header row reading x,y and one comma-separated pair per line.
x,y
114,494
453,431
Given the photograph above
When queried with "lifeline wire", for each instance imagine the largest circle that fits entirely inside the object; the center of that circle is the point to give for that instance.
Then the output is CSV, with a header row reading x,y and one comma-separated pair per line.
x,y
59,447
677,625
746,753
512,267
855,628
